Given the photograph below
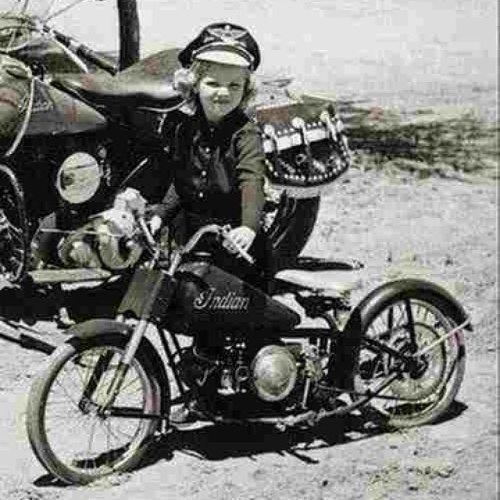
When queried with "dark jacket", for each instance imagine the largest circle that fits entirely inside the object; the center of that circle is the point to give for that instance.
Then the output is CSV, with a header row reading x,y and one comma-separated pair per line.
x,y
218,173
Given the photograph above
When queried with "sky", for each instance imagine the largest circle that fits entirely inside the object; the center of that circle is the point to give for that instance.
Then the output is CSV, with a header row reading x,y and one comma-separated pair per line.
x,y
347,47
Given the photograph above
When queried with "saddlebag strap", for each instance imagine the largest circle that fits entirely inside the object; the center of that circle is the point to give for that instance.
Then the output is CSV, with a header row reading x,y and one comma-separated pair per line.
x,y
305,144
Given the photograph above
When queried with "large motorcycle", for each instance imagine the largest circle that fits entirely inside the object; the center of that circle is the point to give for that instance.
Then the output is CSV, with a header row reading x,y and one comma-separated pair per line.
x,y
399,355
72,137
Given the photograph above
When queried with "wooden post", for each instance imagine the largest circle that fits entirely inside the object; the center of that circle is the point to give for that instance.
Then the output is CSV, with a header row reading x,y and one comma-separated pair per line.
x,y
128,20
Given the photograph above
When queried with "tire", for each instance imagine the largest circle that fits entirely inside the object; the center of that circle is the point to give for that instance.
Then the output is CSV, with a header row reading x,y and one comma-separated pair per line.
x,y
291,228
422,393
56,399
14,238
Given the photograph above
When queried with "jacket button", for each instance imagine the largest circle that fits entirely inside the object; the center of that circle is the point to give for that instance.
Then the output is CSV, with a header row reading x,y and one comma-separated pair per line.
x,y
203,173
207,150
201,195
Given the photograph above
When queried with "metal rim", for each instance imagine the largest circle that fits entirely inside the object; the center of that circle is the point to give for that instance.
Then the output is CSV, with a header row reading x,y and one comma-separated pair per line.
x,y
14,245
410,395
80,439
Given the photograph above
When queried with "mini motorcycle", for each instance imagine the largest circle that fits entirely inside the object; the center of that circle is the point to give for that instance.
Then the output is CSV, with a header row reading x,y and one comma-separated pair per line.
x,y
72,138
93,410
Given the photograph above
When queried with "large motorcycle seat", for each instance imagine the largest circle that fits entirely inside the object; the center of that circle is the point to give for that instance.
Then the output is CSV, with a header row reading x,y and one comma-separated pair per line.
x,y
108,91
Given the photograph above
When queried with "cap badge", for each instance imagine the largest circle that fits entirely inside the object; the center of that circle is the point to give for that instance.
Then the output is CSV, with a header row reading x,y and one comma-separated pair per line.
x,y
227,34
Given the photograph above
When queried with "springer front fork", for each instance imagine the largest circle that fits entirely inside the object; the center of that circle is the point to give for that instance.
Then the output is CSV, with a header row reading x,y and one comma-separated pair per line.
x,y
123,366
148,296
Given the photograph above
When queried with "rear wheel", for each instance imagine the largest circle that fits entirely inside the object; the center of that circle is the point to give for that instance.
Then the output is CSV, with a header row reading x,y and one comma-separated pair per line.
x,y
71,437
291,226
14,238
420,388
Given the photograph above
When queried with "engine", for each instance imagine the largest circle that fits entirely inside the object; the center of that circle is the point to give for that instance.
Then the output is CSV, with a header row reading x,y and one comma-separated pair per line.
x,y
107,239
273,373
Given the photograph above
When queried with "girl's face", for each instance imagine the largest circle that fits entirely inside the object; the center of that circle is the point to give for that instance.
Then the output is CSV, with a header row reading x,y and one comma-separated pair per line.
x,y
221,90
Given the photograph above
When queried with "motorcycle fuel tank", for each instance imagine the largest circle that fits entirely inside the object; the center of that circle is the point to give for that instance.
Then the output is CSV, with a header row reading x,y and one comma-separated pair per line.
x,y
55,112
209,298
52,112
14,92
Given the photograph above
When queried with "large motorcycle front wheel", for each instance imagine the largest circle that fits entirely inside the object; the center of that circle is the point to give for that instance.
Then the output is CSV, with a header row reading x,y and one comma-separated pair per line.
x,y
14,239
72,439
421,390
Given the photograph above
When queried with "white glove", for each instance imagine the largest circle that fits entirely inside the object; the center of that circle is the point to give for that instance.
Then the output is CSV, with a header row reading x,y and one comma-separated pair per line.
x,y
242,236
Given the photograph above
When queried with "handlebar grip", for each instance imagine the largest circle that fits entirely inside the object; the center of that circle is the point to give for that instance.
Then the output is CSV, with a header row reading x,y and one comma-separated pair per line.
x,y
95,58
243,253
85,52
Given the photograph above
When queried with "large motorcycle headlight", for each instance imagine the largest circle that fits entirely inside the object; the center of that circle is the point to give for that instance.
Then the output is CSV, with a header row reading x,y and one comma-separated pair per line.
x,y
79,178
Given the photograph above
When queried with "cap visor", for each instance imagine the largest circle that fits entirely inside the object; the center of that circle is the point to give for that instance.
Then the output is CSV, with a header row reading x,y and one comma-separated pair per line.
x,y
223,57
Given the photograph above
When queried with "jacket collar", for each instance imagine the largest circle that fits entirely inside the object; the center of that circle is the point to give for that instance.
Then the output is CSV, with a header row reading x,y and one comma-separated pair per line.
x,y
227,126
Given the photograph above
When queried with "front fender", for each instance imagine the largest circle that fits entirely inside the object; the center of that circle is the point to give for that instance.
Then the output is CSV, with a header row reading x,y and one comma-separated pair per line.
x,y
345,356
94,327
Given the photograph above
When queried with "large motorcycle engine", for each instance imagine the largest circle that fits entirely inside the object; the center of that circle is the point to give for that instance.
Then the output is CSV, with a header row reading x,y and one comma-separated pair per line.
x,y
107,239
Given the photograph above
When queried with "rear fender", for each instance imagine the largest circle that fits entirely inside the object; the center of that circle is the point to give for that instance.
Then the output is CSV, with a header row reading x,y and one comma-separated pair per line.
x,y
350,340
95,327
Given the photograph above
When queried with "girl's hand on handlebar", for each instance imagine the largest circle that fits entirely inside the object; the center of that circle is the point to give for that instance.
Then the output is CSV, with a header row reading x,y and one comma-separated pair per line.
x,y
241,236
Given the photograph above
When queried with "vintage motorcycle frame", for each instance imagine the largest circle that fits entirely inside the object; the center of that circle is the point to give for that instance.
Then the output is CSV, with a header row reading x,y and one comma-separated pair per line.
x,y
343,368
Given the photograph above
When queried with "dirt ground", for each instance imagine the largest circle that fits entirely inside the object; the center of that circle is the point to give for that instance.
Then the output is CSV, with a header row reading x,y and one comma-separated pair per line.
x,y
443,229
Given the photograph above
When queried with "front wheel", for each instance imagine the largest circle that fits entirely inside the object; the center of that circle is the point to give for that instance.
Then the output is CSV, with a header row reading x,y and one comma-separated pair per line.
x,y
68,433
14,242
406,349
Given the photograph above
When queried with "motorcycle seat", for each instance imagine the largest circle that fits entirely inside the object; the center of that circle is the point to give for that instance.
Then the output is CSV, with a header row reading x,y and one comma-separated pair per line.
x,y
331,283
108,91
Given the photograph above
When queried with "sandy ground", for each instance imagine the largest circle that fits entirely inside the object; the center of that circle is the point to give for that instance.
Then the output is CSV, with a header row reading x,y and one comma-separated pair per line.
x,y
442,229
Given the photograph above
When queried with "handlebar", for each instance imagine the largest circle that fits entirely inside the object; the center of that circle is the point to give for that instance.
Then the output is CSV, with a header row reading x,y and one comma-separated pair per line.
x,y
221,231
22,23
83,51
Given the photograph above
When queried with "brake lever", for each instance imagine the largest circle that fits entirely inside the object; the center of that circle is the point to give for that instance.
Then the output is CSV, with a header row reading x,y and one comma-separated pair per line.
x,y
225,234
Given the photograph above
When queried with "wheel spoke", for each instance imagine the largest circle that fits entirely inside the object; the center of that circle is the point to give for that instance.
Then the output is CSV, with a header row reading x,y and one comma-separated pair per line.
x,y
390,318
14,245
84,441
425,384
411,325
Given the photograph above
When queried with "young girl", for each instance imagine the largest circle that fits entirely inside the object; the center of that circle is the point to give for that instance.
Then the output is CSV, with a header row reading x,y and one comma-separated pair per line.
x,y
219,167
218,157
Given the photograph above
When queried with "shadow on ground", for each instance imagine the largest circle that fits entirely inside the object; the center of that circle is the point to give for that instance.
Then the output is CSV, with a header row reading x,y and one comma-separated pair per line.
x,y
219,442
224,441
